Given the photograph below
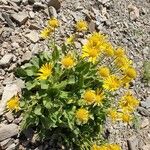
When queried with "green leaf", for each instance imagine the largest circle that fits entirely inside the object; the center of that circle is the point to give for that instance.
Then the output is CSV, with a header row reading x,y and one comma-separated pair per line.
x,y
47,103
55,54
20,72
44,84
35,62
64,48
31,71
37,110
31,84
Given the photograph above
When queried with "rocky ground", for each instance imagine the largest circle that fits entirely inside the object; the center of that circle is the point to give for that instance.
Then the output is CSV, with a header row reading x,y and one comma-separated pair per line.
x,y
127,22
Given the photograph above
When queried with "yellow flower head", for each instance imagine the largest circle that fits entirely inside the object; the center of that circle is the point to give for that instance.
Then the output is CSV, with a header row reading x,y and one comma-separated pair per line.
x,y
82,115
99,97
45,71
46,32
81,25
104,72
123,62
68,61
89,96
70,40
113,114
128,102
108,49
54,23
92,54
119,52
13,103
96,147
92,49
130,72
126,117
114,147
111,83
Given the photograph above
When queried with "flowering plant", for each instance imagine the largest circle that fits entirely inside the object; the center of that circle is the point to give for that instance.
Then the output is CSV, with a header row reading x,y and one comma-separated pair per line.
x,y
72,92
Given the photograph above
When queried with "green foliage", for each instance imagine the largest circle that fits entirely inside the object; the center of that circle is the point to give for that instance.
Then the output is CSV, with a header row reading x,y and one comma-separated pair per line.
x,y
50,105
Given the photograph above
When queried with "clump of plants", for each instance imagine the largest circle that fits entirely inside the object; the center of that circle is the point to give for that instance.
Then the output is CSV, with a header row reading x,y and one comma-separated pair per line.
x,y
71,92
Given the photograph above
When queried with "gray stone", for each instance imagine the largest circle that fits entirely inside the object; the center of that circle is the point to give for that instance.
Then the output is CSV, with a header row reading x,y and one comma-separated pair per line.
x,y
9,91
144,111
55,3
31,14
92,26
6,143
31,1
6,59
146,147
20,83
33,36
7,131
39,5
144,122
133,143
25,2
16,1
26,57
9,116
146,103
12,147
52,11
20,18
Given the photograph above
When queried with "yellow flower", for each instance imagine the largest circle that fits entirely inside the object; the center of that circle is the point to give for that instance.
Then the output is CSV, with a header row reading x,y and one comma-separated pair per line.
x,y
13,103
89,96
96,147
81,25
54,23
82,115
45,71
128,102
126,117
130,72
111,83
92,49
108,49
119,52
46,32
114,147
113,114
123,62
104,71
68,61
99,97
70,40
92,54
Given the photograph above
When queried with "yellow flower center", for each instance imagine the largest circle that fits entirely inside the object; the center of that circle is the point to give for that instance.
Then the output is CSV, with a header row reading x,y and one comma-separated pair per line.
x,y
54,23
93,53
104,71
89,96
81,25
130,72
111,83
82,115
68,61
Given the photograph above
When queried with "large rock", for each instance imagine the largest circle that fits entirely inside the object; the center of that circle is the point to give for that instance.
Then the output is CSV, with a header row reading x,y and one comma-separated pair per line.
x,y
7,131
55,3
33,36
20,18
6,59
133,143
9,91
